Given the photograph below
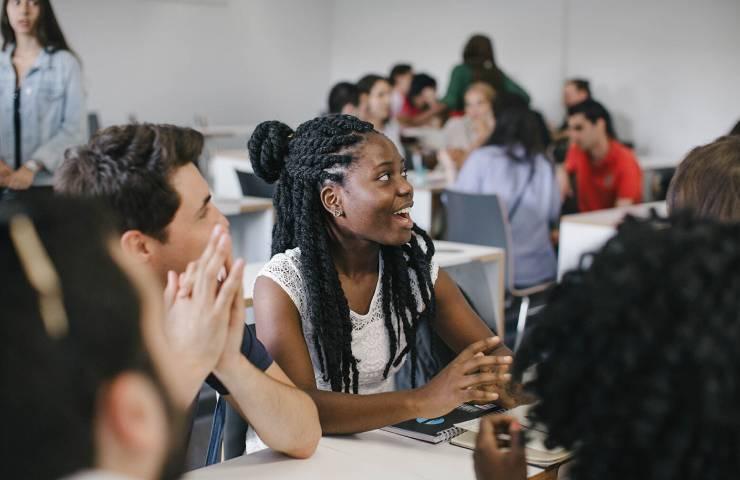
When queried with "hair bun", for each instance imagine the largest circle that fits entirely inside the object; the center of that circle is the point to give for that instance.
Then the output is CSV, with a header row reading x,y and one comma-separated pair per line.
x,y
268,147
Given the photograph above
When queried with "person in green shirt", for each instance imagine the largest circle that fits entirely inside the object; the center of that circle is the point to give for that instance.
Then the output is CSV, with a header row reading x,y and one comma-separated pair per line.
x,y
478,65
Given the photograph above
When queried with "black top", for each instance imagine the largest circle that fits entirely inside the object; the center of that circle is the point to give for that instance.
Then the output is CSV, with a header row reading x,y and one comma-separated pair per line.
x,y
17,126
255,353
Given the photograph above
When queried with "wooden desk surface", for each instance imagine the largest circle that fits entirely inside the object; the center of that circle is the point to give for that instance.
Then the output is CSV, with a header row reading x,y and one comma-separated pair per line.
x,y
447,254
236,206
370,455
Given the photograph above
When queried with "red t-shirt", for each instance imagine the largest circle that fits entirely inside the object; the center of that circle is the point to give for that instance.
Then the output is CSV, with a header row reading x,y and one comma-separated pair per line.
x,y
408,110
599,186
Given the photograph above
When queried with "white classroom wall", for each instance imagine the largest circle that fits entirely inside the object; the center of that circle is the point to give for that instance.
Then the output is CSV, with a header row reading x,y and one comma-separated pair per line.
x,y
233,61
668,69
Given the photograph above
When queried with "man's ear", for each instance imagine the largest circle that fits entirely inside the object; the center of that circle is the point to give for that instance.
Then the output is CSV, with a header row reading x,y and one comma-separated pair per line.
x,y
331,199
137,245
601,124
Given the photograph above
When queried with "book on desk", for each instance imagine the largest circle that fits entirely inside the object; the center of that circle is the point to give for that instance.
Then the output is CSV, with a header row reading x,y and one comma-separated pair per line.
x,y
460,427
442,429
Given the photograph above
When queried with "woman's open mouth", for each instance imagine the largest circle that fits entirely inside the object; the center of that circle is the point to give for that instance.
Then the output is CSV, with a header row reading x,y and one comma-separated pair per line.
x,y
404,217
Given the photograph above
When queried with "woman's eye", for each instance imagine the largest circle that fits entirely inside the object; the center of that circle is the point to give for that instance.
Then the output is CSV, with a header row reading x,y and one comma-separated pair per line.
x,y
404,173
384,178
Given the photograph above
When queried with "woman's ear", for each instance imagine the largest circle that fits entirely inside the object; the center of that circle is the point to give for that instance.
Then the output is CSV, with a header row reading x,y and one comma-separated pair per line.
x,y
331,199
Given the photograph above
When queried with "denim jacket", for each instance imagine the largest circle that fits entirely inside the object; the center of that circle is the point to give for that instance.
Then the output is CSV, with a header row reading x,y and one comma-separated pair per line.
x,y
52,110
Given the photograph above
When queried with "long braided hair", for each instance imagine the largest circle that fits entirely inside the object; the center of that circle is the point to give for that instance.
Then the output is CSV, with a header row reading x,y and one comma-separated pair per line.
x,y
320,151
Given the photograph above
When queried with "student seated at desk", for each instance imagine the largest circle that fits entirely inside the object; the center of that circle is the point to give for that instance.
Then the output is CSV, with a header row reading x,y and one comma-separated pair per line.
x,y
147,175
606,172
421,107
707,181
465,134
352,278
512,165
636,359
575,91
400,79
375,107
344,98
94,384
479,65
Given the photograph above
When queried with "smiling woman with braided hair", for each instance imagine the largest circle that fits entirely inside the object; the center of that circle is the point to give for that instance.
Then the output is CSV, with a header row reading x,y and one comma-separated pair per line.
x,y
352,278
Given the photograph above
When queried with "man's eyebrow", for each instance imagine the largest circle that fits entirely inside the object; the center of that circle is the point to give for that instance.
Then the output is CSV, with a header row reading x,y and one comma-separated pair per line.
x,y
206,201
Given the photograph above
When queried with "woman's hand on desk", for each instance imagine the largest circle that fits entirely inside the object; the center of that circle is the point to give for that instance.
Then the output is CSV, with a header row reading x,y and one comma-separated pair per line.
x,y
500,462
462,380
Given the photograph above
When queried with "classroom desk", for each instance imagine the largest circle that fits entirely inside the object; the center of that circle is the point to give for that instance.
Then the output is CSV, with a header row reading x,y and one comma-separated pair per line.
x,y
587,232
222,167
479,270
370,455
221,131
251,220
427,189
430,138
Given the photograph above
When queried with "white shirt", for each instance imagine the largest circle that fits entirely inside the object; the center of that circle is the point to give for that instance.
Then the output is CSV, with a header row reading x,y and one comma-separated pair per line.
x,y
370,339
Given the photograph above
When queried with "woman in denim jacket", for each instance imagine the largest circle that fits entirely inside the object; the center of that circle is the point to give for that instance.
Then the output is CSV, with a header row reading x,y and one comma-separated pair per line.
x,y
42,105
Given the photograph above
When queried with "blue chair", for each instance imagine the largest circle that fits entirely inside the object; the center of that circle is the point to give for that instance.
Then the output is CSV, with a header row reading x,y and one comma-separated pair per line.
x,y
494,231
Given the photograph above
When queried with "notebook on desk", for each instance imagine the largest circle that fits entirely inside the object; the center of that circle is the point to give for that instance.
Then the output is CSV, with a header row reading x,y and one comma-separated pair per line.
x,y
537,453
442,429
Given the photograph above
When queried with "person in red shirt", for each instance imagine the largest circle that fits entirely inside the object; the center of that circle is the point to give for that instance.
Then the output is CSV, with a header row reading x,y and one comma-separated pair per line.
x,y
421,107
606,172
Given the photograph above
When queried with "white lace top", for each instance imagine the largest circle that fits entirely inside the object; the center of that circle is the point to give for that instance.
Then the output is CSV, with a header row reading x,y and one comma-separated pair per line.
x,y
370,340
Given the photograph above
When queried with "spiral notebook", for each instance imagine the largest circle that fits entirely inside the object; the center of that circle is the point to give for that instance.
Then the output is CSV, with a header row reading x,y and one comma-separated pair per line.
x,y
442,429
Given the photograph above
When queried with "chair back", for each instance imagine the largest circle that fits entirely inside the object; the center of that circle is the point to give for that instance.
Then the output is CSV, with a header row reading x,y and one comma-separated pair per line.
x,y
93,124
479,219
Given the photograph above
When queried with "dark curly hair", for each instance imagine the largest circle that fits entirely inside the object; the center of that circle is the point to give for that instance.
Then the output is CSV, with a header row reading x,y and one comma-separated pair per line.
x,y
637,358
129,167
320,151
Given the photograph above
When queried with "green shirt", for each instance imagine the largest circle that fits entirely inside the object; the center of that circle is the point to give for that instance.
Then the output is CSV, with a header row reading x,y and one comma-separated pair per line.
x,y
460,80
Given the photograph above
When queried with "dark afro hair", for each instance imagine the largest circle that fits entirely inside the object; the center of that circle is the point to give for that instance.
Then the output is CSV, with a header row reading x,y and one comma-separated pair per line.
x,y
638,359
